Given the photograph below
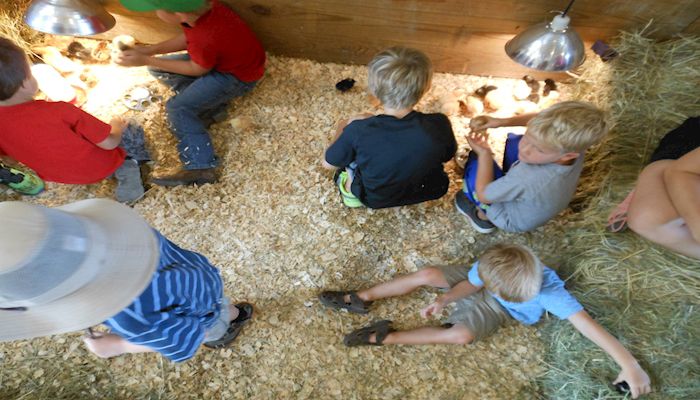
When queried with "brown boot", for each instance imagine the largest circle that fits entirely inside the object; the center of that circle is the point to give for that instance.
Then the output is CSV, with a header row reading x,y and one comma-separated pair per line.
x,y
187,177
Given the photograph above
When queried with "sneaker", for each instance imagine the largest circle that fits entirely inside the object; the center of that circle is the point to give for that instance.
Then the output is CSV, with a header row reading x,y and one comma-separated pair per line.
x,y
469,210
349,199
129,183
21,181
187,177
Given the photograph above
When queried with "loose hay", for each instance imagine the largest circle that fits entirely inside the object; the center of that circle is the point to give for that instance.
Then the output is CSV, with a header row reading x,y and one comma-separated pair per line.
x,y
644,295
275,226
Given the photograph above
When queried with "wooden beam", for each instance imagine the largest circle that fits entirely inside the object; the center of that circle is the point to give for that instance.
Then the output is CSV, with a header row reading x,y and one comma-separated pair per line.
x,y
464,36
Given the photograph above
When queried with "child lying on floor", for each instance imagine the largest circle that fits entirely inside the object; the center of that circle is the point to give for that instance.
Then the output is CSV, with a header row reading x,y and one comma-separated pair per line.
x,y
507,283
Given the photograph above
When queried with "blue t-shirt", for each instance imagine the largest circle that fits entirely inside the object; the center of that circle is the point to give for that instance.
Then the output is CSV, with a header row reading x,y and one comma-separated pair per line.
x,y
553,297
174,311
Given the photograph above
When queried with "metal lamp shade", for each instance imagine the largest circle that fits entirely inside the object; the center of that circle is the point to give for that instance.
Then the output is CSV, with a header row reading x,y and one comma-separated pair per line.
x,y
68,17
548,46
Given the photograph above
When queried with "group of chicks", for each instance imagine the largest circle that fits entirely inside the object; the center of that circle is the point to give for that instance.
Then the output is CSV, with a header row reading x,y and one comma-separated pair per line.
x,y
63,75
526,96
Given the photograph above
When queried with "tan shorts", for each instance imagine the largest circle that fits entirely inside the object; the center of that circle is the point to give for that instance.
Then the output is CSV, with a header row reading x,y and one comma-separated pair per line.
x,y
480,312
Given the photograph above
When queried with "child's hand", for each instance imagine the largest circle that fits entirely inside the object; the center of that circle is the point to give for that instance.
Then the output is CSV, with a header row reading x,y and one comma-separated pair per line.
x,y
433,309
637,379
131,58
118,124
483,122
479,142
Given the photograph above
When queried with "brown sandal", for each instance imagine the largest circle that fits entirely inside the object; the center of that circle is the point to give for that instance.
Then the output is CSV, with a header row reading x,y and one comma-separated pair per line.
x,y
336,300
360,337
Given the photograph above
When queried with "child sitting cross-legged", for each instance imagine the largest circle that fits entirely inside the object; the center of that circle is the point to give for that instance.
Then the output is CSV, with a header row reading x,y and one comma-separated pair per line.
x,y
395,158
508,283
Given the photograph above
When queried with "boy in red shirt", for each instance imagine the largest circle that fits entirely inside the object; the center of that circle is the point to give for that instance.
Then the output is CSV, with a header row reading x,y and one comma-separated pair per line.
x,y
59,141
224,60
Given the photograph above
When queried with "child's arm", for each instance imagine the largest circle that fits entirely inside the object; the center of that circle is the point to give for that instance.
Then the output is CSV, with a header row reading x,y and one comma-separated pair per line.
x,y
483,122
632,373
459,291
118,125
484,173
134,58
340,126
172,45
682,179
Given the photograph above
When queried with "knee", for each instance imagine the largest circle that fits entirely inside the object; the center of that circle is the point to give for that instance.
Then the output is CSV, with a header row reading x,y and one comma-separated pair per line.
x,y
431,276
461,335
643,222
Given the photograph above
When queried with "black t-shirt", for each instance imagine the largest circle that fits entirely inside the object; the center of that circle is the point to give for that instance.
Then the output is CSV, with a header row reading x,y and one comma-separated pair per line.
x,y
399,161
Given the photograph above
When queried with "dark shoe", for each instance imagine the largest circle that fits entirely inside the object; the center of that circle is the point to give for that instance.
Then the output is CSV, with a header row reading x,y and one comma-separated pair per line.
x,y
245,312
360,337
469,210
187,177
336,301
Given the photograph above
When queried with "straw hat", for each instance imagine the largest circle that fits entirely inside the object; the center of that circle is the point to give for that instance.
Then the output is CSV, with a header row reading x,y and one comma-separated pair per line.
x,y
67,268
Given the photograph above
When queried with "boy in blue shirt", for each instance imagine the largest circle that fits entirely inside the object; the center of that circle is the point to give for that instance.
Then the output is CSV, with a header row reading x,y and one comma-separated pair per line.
x,y
508,282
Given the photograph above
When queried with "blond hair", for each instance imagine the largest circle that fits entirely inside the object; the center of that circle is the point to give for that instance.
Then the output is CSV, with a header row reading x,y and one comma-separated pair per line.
x,y
399,76
511,272
569,126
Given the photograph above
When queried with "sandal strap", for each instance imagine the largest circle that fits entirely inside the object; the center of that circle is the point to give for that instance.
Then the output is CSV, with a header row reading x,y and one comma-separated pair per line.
x,y
361,336
382,330
357,302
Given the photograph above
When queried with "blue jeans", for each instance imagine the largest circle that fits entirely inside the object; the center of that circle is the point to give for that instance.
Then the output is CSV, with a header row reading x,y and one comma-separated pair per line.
x,y
510,156
134,143
196,100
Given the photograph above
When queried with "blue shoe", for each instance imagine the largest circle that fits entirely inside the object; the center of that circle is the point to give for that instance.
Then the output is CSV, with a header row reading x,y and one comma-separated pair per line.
x,y
471,211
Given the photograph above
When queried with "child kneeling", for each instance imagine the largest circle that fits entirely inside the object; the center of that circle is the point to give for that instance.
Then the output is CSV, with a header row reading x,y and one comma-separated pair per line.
x,y
508,282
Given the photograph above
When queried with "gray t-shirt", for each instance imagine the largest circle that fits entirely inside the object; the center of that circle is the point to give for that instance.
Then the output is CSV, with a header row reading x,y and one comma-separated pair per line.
x,y
529,195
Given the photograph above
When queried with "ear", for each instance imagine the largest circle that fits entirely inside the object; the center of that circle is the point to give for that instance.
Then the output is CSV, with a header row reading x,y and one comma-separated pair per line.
x,y
568,157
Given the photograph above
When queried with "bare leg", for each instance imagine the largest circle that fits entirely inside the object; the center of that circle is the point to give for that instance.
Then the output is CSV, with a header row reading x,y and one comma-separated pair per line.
x,y
652,215
405,284
457,334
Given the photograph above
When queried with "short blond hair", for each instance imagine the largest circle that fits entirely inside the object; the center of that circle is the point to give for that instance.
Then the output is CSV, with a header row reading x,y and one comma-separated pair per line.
x,y
399,76
569,126
511,272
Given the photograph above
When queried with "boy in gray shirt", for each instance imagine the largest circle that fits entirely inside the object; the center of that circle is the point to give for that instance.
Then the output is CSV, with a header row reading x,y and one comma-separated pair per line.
x,y
540,168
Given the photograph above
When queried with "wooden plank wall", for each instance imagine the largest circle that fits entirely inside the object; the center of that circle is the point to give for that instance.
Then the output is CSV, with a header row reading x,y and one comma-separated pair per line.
x,y
463,36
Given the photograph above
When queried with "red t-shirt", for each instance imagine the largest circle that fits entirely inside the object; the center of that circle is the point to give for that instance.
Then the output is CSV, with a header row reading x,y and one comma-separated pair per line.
x,y
221,40
58,141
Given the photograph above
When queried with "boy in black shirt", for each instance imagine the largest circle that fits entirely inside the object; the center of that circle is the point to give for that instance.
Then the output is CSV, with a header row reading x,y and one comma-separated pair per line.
x,y
395,158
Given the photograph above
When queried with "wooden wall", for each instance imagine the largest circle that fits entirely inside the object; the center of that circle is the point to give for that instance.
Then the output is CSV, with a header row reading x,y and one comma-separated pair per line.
x,y
464,36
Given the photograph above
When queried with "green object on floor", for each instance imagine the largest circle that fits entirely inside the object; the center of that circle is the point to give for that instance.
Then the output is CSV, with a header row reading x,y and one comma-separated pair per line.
x,y
21,179
349,199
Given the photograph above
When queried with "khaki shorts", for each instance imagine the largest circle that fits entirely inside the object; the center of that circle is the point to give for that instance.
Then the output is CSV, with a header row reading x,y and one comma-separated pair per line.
x,y
480,312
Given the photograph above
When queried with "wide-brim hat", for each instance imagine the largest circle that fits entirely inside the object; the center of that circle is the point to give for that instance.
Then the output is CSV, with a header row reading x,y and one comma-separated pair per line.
x,y
68,268
169,5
